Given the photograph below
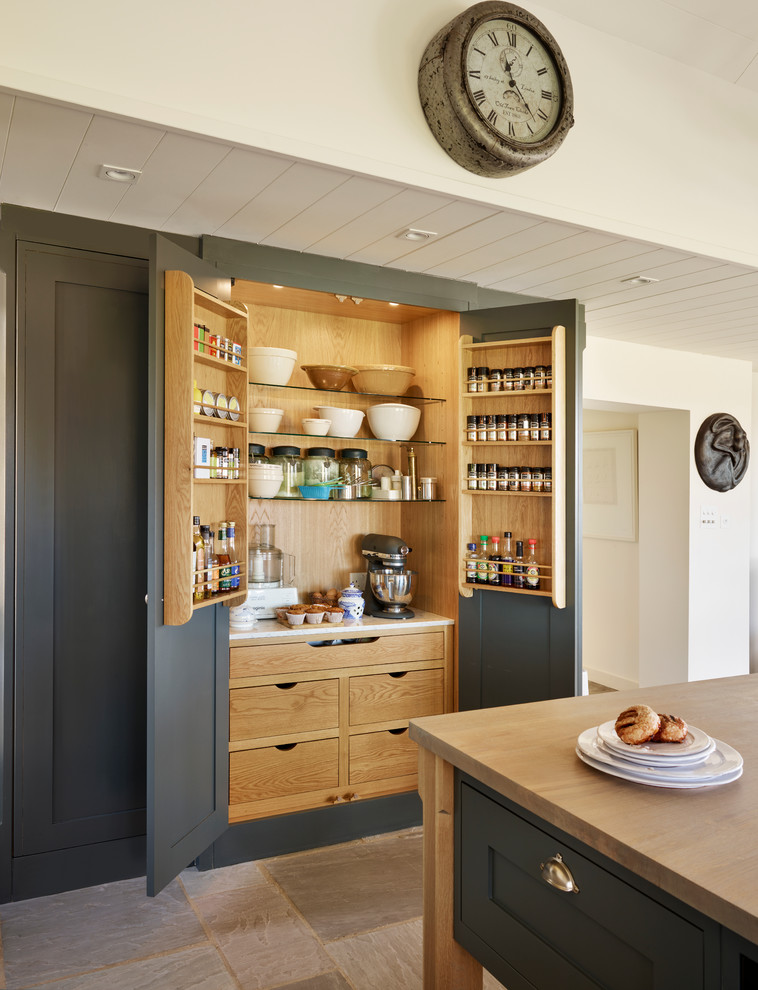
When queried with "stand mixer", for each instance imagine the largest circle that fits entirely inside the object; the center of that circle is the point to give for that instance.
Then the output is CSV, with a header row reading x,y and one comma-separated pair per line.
x,y
389,584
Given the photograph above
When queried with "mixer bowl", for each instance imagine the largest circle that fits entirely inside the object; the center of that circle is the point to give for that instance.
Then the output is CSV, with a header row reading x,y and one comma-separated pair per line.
x,y
391,587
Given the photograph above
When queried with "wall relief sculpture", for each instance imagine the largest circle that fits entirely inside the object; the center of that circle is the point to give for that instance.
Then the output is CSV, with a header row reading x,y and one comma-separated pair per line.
x,y
722,452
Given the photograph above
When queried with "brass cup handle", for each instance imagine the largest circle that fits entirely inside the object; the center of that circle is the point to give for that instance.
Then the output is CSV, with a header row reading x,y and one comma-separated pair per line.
x,y
555,872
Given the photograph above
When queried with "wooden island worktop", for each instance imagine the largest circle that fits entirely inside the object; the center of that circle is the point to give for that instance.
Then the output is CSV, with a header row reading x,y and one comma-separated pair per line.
x,y
697,845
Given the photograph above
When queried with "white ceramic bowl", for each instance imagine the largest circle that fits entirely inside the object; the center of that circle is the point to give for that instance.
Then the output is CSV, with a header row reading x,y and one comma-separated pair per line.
x,y
263,487
316,427
389,379
393,420
264,420
344,422
270,365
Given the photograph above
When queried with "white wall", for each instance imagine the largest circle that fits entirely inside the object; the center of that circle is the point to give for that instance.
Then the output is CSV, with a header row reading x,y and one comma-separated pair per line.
x,y
719,560
610,589
659,151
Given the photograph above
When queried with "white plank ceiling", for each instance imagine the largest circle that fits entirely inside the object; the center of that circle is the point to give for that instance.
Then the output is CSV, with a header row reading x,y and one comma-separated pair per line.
x,y
50,156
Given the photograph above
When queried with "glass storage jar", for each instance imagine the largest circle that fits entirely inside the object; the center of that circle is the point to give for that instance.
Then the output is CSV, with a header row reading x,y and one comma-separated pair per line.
x,y
292,469
256,454
355,473
320,466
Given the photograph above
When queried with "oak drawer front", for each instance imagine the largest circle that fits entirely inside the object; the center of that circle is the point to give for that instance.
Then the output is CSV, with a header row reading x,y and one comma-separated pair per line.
x,y
380,755
275,658
609,934
276,771
273,709
405,694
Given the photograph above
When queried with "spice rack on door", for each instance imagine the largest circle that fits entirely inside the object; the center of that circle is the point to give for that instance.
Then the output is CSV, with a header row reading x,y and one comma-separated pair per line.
x,y
528,515
212,499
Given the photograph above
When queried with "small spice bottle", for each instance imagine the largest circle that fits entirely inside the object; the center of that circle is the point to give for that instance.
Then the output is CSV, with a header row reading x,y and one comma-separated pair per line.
x,y
549,376
518,379
548,482
482,379
508,379
471,479
481,428
481,477
529,379
500,428
537,480
492,477
539,376
502,479
526,479
514,479
511,428
471,428
471,380
546,426
522,426
496,380
534,426
491,428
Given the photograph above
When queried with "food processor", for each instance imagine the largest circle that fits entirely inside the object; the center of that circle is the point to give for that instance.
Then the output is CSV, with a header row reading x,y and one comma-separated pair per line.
x,y
389,584
271,575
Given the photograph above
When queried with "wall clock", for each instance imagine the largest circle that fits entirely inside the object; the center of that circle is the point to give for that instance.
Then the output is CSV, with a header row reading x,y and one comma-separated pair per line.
x,y
496,90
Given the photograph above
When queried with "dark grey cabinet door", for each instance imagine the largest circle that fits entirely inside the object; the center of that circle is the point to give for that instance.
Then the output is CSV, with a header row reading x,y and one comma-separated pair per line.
x,y
81,559
188,666
514,649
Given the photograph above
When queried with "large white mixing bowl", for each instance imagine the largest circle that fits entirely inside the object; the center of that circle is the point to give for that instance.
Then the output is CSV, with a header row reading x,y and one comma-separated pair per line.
x,y
393,420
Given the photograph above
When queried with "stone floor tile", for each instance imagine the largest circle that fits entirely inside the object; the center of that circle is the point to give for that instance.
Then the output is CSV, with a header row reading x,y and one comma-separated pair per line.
x,y
388,959
62,934
262,938
190,969
355,887
197,883
327,981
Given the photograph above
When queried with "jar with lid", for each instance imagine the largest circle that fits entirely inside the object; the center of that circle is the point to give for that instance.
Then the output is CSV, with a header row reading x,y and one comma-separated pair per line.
x,y
496,380
526,479
508,379
320,466
538,480
492,477
355,473
534,426
522,426
547,483
471,380
511,429
471,428
256,454
481,428
292,469
540,376
500,427
529,379
482,379
491,428
471,478
518,379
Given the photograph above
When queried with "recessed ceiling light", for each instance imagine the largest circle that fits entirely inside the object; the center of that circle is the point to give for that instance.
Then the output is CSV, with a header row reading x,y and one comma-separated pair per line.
x,y
277,286
117,174
413,234
394,304
639,280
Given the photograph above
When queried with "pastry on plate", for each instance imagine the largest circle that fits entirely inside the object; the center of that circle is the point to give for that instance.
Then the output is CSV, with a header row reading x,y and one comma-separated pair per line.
x,y
637,724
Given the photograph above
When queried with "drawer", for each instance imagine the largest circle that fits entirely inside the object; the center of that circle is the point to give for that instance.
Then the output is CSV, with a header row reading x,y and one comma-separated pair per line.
x,y
529,933
381,755
278,771
286,658
273,709
401,694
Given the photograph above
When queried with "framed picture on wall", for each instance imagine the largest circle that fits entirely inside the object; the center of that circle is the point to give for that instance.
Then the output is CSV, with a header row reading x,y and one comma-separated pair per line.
x,y
610,485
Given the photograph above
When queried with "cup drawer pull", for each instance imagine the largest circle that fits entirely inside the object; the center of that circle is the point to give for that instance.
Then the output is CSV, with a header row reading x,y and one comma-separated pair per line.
x,y
288,686
555,872
286,747
398,673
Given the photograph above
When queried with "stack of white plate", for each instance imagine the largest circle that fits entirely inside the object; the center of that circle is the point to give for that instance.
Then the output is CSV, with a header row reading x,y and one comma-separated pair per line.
x,y
699,761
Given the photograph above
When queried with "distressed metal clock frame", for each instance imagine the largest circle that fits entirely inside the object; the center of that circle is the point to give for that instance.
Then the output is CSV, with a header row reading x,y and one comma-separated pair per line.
x,y
453,117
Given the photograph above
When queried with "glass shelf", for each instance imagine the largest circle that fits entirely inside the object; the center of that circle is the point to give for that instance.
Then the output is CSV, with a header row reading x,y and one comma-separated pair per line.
x,y
342,392
319,441
351,501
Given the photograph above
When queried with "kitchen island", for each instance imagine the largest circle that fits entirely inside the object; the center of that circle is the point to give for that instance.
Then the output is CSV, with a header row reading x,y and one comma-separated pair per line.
x,y
690,855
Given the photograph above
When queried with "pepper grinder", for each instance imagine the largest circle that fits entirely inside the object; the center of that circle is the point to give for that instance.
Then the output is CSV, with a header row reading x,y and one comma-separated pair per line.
x,y
412,473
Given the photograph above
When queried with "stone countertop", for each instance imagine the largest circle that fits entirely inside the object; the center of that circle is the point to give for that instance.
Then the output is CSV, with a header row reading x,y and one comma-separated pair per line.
x,y
698,845
270,629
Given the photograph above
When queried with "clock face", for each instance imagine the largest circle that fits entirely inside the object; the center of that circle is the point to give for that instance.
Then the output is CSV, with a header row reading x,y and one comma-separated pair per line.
x,y
512,80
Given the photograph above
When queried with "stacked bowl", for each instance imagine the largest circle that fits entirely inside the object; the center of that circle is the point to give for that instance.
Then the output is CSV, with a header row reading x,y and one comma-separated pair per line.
x,y
264,480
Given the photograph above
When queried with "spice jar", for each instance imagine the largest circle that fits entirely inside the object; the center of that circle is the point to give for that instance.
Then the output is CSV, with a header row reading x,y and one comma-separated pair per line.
x,y
522,426
355,473
547,483
292,469
482,379
508,379
320,466
471,428
471,480
496,380
526,479
481,428
471,380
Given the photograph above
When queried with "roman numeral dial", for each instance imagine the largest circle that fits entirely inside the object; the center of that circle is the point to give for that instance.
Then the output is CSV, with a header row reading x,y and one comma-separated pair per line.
x,y
513,81
495,89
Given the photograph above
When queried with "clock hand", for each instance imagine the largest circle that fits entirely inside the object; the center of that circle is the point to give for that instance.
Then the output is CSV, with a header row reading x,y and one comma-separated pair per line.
x,y
514,85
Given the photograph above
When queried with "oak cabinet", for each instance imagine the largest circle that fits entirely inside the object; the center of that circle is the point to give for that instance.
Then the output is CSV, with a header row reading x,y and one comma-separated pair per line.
x,y
315,723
